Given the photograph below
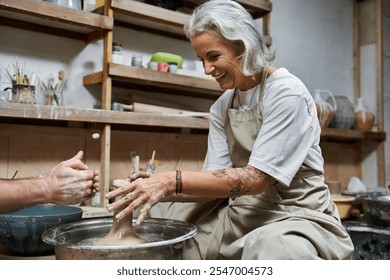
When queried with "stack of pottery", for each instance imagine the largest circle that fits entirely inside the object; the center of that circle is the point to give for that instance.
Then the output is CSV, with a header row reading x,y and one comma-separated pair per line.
x,y
325,109
364,119
345,113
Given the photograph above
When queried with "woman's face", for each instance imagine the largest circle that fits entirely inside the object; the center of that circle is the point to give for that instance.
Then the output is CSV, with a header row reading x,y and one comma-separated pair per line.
x,y
220,60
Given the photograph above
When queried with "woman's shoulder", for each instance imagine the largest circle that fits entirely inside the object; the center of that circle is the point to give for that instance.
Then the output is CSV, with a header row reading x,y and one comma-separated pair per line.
x,y
283,76
282,80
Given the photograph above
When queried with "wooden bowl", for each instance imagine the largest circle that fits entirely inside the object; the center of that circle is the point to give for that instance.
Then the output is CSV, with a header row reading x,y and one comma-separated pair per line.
x,y
345,204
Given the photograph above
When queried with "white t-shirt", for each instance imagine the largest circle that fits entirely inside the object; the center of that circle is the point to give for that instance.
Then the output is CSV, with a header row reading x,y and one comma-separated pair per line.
x,y
289,136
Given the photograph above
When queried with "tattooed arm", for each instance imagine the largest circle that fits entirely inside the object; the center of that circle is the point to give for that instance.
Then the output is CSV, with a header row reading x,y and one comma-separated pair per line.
x,y
232,182
244,181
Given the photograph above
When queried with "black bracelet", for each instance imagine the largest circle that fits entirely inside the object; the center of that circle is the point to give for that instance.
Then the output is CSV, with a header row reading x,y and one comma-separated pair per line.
x,y
179,186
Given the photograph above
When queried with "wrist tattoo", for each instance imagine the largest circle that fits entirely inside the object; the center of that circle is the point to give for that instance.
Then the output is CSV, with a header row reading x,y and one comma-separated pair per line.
x,y
242,180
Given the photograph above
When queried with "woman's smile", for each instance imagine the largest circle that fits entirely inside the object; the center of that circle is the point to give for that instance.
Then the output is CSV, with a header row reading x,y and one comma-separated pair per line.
x,y
220,76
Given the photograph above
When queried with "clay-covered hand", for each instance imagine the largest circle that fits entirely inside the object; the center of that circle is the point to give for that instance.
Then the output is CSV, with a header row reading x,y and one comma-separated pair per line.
x,y
71,182
141,192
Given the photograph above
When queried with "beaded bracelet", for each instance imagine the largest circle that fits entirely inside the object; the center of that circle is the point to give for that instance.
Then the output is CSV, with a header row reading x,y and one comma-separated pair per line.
x,y
179,185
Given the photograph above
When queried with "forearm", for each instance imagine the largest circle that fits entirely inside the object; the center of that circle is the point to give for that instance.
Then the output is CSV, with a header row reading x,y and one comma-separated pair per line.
x,y
186,186
231,182
187,198
21,193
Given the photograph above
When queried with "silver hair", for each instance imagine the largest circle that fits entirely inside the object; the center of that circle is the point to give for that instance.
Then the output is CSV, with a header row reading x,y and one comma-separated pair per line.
x,y
230,21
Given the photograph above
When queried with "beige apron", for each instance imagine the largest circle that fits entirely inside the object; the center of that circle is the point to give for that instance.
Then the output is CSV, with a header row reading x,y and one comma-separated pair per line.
x,y
295,222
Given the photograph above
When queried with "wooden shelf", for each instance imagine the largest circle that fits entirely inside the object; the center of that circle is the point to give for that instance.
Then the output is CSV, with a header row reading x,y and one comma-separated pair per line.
x,y
53,19
149,17
46,112
257,8
351,135
167,22
146,79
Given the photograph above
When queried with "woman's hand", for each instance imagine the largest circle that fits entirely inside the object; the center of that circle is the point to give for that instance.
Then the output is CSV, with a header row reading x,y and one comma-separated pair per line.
x,y
144,191
70,182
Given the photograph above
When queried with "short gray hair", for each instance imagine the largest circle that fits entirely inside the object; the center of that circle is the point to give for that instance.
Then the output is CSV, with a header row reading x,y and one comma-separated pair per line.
x,y
233,23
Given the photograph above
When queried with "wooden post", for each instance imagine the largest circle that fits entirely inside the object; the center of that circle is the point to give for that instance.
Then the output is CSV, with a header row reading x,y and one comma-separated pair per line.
x,y
106,105
379,90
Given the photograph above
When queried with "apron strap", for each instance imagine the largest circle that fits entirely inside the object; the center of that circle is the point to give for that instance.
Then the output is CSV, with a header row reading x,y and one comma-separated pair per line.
x,y
262,86
261,92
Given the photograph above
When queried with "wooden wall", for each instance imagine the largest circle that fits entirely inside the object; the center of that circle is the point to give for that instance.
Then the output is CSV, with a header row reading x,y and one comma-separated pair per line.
x,y
35,150
22,149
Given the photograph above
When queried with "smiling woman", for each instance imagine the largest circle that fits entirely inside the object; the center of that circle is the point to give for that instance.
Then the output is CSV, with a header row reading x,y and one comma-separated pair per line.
x,y
262,183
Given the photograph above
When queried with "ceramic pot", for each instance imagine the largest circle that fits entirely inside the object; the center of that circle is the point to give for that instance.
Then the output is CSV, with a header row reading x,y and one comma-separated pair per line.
x,y
325,110
345,114
364,119
20,231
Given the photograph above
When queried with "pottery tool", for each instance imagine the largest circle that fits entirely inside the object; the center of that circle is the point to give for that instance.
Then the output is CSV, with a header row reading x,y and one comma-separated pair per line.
x,y
151,167
135,161
178,164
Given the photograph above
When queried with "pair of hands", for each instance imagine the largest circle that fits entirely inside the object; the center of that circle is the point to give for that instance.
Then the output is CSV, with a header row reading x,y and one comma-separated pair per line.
x,y
71,182
143,189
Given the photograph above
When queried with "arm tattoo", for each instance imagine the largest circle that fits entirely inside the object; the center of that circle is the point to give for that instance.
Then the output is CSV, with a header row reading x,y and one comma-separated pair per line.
x,y
242,180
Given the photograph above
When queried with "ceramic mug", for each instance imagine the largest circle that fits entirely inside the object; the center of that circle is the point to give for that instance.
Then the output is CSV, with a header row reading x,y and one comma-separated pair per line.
x,y
172,67
163,67
153,65
136,61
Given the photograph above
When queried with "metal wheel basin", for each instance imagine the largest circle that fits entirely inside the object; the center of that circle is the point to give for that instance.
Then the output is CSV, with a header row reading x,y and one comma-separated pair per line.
x,y
165,238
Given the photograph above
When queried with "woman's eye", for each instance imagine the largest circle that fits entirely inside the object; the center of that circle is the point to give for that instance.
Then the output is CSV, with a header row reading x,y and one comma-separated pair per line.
x,y
214,57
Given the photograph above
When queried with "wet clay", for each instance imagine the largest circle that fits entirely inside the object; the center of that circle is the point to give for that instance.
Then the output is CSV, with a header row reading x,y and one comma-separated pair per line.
x,y
121,233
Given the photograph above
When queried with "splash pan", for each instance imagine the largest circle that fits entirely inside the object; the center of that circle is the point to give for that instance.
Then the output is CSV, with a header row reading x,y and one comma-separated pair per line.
x,y
165,238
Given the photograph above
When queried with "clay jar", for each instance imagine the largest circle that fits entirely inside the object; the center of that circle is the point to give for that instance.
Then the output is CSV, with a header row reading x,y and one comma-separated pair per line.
x,y
163,67
325,110
364,119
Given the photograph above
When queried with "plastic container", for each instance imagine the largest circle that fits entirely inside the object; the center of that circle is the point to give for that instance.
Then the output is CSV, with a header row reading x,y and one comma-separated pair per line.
x,y
167,57
117,56
23,93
